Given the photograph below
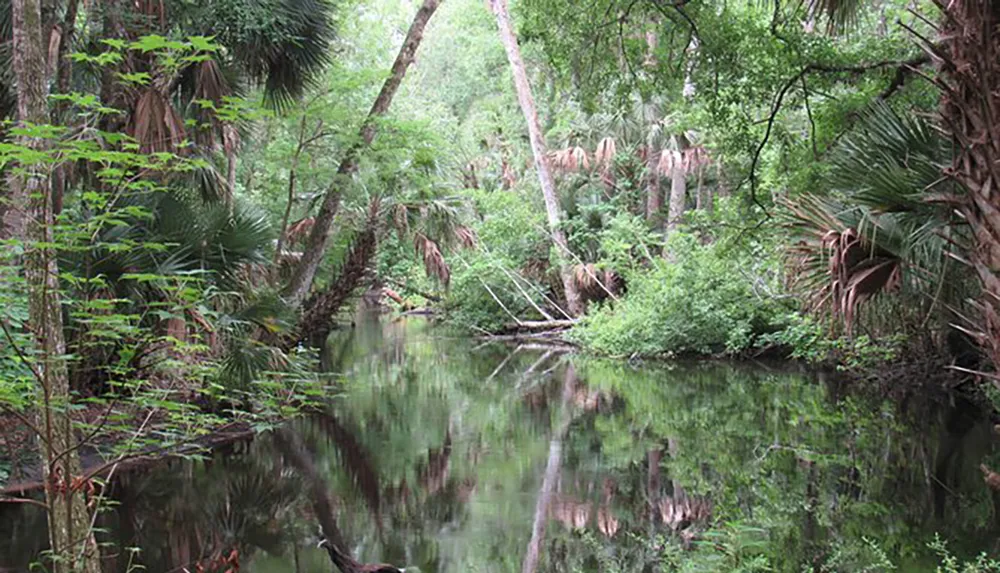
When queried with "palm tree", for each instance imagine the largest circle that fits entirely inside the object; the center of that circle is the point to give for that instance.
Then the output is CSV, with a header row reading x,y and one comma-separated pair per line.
x,y
969,78
890,231
433,225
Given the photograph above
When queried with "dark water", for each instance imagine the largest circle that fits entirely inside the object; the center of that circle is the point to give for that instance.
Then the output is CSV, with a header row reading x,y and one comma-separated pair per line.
x,y
444,454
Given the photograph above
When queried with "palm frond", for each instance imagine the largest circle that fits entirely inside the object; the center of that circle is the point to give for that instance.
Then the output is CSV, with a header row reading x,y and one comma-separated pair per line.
x,y
466,237
898,233
841,14
670,159
434,263
155,124
571,159
604,155
284,51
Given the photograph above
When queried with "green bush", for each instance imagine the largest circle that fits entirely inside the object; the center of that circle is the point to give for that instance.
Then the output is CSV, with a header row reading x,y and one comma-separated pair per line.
x,y
804,337
511,233
707,299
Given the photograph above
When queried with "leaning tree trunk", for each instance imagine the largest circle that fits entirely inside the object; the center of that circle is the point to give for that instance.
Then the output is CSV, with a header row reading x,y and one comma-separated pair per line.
x,y
296,455
573,302
316,243
970,107
70,535
316,321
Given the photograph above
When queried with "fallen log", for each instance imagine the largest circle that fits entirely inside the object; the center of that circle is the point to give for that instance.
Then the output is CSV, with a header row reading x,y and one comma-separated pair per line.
x,y
95,465
535,325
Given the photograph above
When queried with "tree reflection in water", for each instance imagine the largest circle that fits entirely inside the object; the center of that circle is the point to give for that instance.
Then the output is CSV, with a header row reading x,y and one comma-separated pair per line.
x,y
436,457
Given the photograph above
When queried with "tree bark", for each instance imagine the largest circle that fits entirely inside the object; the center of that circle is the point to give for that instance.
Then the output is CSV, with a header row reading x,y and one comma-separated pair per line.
x,y
678,188
315,248
970,72
654,193
573,302
318,312
70,535
721,190
653,459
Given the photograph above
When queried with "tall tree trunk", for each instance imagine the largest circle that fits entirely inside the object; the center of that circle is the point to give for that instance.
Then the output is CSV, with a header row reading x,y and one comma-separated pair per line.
x,y
315,248
573,302
721,189
971,110
230,144
70,536
678,188
654,193
704,193
551,477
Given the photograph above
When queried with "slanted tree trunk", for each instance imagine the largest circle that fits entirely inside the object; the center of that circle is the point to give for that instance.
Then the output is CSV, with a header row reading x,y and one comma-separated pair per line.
x,y
318,311
70,536
538,149
970,108
678,188
316,243
296,455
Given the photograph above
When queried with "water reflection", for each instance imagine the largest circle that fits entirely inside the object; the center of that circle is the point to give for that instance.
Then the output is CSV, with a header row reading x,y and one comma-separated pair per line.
x,y
445,454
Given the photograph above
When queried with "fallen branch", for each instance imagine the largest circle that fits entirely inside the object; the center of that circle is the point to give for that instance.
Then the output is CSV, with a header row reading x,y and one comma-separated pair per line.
x,y
533,325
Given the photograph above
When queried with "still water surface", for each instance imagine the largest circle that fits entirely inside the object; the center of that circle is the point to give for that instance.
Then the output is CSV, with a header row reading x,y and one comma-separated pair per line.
x,y
445,454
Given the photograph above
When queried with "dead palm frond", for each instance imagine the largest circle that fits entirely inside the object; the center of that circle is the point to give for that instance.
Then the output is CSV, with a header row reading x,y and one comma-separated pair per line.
x,y
696,157
839,268
597,284
570,159
401,219
507,176
434,263
604,155
670,159
299,230
466,237
155,124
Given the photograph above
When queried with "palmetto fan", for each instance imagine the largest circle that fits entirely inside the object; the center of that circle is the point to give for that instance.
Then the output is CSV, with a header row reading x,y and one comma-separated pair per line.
x,y
895,234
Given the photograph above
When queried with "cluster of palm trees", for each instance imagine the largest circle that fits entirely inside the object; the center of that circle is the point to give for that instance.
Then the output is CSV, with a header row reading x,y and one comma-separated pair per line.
x,y
675,158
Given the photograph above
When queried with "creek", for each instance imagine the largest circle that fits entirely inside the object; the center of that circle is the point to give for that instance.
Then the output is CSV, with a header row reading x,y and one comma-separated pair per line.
x,y
445,453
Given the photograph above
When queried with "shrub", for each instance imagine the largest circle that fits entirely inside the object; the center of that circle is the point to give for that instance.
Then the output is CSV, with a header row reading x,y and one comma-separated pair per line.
x,y
511,235
710,299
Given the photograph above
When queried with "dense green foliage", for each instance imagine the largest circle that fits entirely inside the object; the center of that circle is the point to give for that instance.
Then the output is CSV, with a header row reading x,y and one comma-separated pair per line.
x,y
733,179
